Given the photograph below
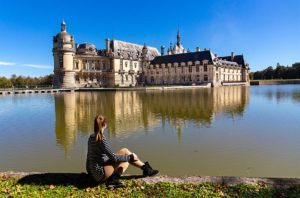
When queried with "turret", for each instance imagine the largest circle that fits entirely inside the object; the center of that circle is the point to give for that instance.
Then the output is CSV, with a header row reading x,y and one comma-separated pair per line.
x,y
63,54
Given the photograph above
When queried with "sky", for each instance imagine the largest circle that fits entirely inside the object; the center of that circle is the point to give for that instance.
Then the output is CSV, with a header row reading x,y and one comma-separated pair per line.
x,y
264,31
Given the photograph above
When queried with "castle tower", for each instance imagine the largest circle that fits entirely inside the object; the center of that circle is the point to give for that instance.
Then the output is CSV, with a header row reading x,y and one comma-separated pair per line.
x,y
63,54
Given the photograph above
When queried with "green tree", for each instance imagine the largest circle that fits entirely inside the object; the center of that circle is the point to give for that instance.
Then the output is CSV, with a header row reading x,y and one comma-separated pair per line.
x,y
4,82
20,82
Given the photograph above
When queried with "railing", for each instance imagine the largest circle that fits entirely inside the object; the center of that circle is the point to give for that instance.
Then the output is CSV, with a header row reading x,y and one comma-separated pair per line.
x,y
131,71
121,71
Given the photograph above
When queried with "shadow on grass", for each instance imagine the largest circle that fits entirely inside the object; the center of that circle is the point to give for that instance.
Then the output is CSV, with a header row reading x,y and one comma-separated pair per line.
x,y
79,180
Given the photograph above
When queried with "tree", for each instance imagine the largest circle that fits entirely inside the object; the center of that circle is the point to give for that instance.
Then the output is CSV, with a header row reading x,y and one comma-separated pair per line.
x,y
281,72
20,82
4,82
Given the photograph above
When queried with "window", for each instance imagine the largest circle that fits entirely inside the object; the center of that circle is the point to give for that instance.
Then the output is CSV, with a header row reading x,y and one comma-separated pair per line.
x,y
205,78
121,64
217,77
152,79
131,67
197,68
134,65
205,67
190,69
126,64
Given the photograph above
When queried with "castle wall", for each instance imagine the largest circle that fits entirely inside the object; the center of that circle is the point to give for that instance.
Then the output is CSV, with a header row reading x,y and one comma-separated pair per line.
x,y
126,72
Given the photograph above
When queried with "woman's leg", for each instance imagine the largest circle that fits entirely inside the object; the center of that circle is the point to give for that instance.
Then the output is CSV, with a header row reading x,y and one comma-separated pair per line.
x,y
124,151
147,169
120,167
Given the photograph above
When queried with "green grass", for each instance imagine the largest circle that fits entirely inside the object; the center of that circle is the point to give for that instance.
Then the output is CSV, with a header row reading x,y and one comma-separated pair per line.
x,y
10,187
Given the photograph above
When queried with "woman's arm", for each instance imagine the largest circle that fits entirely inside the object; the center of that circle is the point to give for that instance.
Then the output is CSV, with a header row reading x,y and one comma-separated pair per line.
x,y
114,157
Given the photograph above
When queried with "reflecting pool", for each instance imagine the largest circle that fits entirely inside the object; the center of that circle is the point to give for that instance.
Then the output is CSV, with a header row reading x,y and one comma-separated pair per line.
x,y
236,131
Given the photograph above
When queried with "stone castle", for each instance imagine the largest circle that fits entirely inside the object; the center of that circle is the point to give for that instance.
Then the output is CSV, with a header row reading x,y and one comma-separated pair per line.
x,y
124,64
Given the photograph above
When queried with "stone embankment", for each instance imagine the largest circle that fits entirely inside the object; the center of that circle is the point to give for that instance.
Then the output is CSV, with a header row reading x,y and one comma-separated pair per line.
x,y
222,180
39,91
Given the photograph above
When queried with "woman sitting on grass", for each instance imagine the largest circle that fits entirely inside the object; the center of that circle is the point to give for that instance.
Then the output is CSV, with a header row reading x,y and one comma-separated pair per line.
x,y
104,165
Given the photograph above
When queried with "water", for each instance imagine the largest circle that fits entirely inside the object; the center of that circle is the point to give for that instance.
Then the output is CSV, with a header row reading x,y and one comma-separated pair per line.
x,y
235,131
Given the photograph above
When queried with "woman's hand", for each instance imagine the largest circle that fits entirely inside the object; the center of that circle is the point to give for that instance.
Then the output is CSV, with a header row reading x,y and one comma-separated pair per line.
x,y
104,126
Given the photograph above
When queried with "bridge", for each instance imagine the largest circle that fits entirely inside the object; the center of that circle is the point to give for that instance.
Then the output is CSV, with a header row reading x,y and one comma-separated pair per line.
x,y
32,91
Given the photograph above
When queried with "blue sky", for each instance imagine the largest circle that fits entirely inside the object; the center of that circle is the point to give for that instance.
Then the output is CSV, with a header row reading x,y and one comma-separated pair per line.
x,y
265,31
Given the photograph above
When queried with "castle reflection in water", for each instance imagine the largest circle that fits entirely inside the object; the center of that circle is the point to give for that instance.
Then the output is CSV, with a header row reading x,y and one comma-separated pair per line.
x,y
128,112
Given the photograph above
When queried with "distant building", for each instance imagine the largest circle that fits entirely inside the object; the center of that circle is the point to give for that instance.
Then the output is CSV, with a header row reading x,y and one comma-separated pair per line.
x,y
124,64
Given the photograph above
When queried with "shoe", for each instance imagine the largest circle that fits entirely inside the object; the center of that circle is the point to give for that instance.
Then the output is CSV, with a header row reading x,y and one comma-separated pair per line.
x,y
113,182
148,170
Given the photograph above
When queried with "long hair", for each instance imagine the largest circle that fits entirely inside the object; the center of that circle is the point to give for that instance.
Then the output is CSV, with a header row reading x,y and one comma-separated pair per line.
x,y
99,124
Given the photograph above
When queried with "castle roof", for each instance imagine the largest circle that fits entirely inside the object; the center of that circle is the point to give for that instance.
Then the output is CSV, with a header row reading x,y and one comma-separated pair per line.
x,y
132,49
199,56
185,57
239,59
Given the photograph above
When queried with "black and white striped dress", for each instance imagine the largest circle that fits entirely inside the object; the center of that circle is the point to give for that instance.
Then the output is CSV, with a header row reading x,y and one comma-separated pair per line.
x,y
100,154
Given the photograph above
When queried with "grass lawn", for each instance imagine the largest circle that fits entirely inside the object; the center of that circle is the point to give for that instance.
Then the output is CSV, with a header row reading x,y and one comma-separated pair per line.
x,y
10,187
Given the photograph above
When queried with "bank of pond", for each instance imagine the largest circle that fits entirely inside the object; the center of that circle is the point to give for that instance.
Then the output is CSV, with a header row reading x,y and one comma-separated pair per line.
x,y
78,185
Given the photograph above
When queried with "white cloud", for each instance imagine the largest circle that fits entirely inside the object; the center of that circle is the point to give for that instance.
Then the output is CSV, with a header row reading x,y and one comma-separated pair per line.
x,y
38,66
6,63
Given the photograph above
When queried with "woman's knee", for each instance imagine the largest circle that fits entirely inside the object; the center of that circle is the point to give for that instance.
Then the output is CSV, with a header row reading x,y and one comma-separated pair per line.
x,y
124,151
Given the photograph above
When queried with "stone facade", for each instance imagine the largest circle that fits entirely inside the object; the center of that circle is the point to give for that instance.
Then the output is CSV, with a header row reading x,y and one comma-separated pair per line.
x,y
124,64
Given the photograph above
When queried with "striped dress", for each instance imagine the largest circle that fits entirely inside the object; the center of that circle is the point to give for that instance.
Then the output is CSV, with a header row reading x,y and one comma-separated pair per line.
x,y
100,154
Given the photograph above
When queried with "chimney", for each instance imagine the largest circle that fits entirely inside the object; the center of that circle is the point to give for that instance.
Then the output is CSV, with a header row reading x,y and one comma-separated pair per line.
x,y
232,56
197,49
107,43
162,50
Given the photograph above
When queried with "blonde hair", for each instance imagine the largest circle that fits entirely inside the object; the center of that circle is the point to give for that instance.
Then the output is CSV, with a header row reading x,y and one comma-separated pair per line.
x,y
99,124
